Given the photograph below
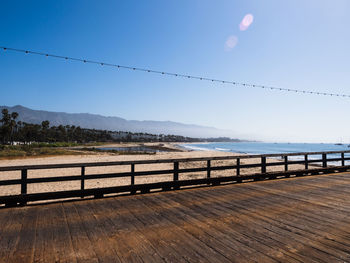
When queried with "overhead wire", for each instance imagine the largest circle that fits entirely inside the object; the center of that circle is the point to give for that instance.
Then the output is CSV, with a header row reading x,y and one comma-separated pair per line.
x,y
187,76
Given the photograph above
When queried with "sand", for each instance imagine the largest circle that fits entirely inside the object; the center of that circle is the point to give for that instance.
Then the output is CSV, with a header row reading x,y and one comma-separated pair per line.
x,y
105,157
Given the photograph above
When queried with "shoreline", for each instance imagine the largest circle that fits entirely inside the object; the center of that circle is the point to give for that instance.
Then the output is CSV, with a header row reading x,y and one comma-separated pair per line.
x,y
179,153
157,150
102,157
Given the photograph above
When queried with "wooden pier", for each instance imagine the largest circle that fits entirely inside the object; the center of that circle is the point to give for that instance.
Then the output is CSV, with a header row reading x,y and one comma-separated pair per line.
x,y
301,219
232,164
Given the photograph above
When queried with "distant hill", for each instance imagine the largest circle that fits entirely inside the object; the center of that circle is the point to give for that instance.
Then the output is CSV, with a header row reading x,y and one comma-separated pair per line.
x,y
93,121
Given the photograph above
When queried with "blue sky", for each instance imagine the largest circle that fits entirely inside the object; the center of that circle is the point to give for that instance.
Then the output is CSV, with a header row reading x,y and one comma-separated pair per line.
x,y
293,44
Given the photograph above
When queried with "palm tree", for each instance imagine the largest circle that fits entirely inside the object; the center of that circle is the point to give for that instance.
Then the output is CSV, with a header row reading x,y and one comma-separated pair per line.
x,y
45,125
5,128
13,125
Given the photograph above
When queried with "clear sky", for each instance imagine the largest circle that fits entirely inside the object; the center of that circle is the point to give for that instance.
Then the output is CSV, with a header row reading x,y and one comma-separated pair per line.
x,y
297,44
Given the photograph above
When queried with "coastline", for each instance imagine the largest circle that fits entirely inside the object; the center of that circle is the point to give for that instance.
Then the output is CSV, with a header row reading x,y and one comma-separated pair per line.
x,y
175,150
101,157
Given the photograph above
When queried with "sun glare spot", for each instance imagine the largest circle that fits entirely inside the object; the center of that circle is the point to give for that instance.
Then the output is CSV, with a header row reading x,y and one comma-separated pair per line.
x,y
246,22
231,42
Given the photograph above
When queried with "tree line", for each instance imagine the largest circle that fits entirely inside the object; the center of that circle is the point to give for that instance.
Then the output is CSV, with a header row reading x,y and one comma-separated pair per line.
x,y
12,131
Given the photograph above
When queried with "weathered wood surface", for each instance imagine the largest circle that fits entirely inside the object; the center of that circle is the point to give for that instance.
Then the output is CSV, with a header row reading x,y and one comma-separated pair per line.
x,y
304,219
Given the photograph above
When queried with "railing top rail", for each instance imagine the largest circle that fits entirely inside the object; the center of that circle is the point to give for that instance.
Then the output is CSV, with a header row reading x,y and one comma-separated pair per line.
x,y
96,164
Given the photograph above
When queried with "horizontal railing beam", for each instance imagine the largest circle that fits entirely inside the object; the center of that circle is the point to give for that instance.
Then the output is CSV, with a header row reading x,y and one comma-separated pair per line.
x,y
262,162
155,172
197,159
23,198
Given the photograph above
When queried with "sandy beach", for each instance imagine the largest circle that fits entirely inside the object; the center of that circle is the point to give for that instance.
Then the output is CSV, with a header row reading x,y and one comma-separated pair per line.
x,y
107,157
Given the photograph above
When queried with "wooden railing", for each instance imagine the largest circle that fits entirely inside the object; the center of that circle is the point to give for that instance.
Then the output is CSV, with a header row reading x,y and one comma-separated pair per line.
x,y
273,160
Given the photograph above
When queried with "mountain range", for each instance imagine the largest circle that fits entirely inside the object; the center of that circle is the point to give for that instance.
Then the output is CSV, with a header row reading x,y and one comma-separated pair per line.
x,y
94,121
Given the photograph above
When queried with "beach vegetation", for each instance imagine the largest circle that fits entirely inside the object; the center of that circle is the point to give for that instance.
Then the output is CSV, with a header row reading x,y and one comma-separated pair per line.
x,y
14,132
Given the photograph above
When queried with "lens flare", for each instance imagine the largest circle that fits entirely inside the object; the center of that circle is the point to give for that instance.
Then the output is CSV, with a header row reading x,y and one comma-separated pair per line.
x,y
246,22
231,42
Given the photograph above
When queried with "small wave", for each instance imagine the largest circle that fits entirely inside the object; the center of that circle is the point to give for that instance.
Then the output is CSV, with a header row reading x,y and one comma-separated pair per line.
x,y
222,149
195,148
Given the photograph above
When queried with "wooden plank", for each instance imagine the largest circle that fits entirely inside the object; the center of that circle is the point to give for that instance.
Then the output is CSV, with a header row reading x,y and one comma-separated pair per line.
x,y
231,246
299,193
63,246
325,205
81,243
191,248
128,232
298,219
253,247
11,223
150,227
105,251
44,241
333,193
276,230
131,231
294,215
197,218
53,241
302,219
337,184
24,250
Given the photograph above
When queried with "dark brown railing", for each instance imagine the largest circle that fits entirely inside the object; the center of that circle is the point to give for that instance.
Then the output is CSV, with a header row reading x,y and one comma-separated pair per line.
x,y
277,160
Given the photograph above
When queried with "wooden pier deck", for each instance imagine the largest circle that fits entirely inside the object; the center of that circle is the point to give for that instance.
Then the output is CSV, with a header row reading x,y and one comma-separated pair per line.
x,y
304,219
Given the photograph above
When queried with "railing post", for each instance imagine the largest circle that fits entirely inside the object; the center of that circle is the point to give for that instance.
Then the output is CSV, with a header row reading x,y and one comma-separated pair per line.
x,y
324,160
342,159
132,178
132,174
238,171
263,165
306,162
176,171
208,169
24,174
82,181
286,163
176,174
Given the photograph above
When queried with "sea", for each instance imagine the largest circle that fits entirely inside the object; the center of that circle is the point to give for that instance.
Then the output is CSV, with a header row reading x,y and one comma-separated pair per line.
x,y
270,148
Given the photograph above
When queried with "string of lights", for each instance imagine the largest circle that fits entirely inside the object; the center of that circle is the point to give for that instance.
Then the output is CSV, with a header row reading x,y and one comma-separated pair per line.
x,y
246,85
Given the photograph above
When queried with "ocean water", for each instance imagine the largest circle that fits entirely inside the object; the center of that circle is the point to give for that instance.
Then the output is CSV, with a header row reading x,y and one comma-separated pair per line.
x,y
266,148
271,148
